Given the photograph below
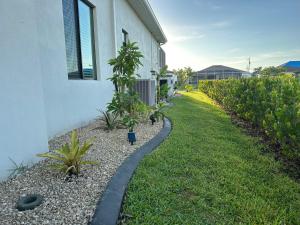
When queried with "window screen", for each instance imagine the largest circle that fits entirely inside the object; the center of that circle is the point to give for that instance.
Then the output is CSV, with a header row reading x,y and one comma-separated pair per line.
x,y
79,38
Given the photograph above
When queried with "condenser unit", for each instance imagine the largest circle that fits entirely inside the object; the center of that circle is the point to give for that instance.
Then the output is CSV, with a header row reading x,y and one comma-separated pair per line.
x,y
146,89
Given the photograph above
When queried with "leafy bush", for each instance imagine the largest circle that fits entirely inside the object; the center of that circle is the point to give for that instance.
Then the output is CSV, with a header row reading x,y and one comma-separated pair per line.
x,y
188,87
143,112
162,73
130,122
158,112
270,103
164,90
70,157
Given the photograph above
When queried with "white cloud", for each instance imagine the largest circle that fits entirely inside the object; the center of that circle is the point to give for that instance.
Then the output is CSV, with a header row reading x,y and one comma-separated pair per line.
x,y
182,38
233,50
207,5
222,24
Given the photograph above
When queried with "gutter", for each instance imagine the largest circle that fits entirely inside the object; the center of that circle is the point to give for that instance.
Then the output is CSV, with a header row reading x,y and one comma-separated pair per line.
x,y
147,16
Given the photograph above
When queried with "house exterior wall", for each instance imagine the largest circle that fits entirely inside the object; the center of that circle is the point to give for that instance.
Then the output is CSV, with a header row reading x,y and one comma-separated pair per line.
x,y
38,101
127,19
171,80
23,129
79,99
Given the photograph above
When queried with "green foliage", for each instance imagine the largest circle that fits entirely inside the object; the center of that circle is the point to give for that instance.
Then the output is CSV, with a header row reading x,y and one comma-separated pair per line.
x,y
69,158
159,111
125,100
130,122
183,75
257,71
125,66
143,112
188,87
164,90
269,71
124,103
270,103
111,120
17,168
162,73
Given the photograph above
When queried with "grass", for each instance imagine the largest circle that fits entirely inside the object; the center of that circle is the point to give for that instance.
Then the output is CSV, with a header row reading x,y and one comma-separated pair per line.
x,y
209,172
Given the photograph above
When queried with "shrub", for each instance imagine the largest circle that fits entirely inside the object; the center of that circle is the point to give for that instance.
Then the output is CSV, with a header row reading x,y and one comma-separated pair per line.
x,y
164,90
188,87
159,111
130,122
270,103
143,112
70,157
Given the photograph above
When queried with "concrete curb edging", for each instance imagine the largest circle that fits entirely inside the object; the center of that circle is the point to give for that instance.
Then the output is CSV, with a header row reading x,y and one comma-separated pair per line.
x,y
109,206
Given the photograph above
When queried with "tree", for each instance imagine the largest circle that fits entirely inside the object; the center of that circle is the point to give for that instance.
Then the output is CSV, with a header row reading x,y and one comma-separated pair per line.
x,y
125,66
183,75
256,71
272,71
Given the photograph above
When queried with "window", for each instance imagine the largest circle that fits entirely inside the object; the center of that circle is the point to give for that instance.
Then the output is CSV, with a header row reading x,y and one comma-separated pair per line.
x,y
79,38
125,37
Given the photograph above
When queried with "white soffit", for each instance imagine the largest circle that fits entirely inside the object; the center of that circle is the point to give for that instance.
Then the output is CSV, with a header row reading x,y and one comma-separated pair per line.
x,y
147,16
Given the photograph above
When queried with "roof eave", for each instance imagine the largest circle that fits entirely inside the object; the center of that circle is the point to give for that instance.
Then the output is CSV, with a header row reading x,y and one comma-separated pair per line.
x,y
147,16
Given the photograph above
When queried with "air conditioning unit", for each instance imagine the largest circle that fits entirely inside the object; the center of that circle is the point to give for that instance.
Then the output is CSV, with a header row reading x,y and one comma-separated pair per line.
x,y
146,89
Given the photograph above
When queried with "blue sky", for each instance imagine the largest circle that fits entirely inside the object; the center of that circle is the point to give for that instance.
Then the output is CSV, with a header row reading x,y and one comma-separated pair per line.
x,y
207,32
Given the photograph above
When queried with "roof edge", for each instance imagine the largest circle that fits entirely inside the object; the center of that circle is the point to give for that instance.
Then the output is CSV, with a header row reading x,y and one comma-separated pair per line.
x,y
146,14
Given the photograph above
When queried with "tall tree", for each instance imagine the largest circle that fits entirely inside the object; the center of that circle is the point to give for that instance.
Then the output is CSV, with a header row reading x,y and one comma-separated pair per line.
x,y
183,75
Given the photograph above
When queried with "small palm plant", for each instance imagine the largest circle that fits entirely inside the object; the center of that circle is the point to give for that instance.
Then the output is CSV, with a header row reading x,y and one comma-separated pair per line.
x,y
70,157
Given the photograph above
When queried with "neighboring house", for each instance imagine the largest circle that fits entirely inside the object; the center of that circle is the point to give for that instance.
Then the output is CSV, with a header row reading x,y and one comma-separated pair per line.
x,y
55,74
217,72
171,80
292,67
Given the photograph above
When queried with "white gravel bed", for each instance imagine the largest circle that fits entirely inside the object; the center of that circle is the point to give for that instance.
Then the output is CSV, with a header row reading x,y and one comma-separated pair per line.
x,y
74,202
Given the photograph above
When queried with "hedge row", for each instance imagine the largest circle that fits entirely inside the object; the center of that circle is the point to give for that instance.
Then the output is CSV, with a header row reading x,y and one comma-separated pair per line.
x,y
271,103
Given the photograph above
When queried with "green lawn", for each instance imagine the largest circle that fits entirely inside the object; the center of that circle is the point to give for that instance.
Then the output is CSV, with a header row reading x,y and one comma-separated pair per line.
x,y
209,172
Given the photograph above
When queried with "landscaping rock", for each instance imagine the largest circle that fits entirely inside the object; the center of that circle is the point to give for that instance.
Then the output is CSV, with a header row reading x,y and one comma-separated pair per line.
x,y
71,201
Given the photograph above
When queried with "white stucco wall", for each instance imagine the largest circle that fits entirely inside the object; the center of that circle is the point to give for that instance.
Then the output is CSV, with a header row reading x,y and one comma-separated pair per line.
x,y
37,99
70,103
23,130
127,19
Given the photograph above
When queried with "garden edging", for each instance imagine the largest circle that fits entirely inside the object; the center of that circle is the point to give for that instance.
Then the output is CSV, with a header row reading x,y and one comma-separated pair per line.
x,y
109,206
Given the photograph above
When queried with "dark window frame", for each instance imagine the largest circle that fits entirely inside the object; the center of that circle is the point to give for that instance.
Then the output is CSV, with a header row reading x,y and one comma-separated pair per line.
x,y
80,74
125,37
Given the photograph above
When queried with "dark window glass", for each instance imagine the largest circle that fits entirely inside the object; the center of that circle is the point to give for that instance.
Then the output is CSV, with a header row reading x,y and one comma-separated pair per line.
x,y
125,37
79,38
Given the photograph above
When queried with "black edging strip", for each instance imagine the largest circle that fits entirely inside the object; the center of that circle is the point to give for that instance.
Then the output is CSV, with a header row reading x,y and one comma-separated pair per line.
x,y
109,206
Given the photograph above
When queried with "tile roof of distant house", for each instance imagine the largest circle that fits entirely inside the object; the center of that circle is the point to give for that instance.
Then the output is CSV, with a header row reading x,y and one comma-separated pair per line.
x,y
220,68
293,64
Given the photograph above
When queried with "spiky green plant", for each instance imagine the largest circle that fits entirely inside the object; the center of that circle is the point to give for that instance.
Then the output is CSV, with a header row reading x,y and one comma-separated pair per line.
x,y
69,158
111,120
17,168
